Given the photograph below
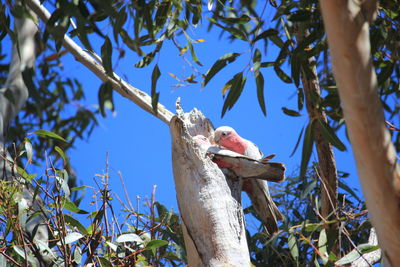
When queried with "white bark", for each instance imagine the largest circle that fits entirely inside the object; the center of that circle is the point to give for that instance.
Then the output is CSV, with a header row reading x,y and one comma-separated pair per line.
x,y
209,203
246,167
14,94
347,27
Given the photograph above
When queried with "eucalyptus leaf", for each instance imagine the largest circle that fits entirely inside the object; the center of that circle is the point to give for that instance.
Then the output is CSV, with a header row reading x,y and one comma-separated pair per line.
x,y
155,95
308,142
235,86
193,53
29,149
105,97
47,134
294,250
69,205
129,238
219,65
104,262
298,142
75,223
106,56
291,112
323,246
72,237
282,75
61,153
355,253
265,34
330,135
153,244
260,91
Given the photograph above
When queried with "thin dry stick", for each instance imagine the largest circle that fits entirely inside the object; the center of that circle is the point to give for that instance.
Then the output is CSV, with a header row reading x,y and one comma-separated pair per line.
x,y
9,257
125,191
21,233
105,197
392,127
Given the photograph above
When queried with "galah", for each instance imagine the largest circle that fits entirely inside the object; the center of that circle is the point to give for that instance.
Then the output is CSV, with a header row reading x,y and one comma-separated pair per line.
x,y
257,190
204,144
242,165
202,141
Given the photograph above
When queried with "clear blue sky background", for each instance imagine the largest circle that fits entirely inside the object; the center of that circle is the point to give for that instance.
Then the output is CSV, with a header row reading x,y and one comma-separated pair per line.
x,y
139,144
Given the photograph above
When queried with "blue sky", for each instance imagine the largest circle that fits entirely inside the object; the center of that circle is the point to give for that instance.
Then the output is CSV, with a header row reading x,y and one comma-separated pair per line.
x,y
138,144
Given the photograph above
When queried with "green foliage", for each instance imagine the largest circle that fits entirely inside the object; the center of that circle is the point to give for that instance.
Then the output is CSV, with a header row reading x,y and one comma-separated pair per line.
x,y
99,236
155,95
295,55
106,236
55,104
305,238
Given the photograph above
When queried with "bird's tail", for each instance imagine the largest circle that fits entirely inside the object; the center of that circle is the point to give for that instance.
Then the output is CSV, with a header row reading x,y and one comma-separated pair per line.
x,y
264,206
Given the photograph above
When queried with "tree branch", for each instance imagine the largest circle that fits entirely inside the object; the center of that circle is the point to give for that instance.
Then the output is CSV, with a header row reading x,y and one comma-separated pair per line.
x,y
137,96
15,93
326,158
347,28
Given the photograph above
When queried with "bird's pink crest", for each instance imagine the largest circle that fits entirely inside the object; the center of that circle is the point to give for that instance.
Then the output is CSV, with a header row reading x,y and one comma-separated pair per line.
x,y
228,138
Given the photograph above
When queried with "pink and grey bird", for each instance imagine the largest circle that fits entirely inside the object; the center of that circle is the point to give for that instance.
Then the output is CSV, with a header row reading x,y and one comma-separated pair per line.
x,y
257,190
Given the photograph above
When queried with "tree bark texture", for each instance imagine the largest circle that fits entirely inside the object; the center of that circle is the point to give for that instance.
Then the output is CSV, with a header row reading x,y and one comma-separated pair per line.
x,y
326,158
14,94
209,203
347,27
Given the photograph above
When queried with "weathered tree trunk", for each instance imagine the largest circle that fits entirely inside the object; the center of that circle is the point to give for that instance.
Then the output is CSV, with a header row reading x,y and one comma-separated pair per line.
x,y
14,94
347,26
209,203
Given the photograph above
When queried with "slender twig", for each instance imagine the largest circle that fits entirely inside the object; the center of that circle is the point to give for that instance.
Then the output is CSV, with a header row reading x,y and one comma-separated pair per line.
x,y
21,235
125,191
341,219
392,127
9,257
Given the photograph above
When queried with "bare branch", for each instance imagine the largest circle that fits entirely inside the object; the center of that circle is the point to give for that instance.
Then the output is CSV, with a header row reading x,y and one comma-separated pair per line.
x,y
137,96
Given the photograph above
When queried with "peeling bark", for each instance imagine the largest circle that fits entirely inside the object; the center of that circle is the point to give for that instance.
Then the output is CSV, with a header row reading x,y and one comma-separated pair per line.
x,y
347,28
209,203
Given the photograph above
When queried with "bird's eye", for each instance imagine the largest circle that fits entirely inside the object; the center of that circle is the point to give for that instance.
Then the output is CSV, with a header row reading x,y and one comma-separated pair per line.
x,y
224,134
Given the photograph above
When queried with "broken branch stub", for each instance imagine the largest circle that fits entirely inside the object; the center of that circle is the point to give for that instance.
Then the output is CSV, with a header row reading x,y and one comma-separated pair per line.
x,y
246,167
209,203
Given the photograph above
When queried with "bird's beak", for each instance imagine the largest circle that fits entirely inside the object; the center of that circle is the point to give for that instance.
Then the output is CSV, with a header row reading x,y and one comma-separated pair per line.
x,y
216,138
